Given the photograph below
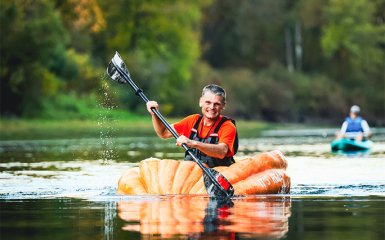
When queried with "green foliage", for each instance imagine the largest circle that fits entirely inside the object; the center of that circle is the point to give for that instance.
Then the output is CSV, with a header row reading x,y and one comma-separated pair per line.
x,y
32,51
160,41
351,36
244,33
70,106
277,95
84,20
87,77
349,26
202,74
54,55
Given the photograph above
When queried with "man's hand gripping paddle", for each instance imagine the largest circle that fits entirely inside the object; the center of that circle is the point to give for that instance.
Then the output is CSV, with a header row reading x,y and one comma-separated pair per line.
x,y
216,184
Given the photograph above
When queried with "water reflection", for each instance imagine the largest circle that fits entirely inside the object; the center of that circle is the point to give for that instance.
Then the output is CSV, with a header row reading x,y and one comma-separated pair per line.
x,y
109,217
198,217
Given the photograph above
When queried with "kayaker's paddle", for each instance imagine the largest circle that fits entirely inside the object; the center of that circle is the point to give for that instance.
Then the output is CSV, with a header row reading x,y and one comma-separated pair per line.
x,y
216,184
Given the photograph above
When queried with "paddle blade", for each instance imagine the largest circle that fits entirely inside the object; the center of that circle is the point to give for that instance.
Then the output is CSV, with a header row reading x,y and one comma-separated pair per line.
x,y
117,69
223,191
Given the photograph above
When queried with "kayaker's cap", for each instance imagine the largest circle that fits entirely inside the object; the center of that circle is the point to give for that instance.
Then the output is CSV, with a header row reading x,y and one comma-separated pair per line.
x,y
355,109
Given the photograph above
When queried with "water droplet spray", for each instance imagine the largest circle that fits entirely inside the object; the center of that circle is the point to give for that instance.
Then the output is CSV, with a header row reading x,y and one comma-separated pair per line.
x,y
106,123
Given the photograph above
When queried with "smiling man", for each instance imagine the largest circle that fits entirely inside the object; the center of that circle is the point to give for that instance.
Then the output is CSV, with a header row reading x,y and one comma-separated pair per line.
x,y
211,136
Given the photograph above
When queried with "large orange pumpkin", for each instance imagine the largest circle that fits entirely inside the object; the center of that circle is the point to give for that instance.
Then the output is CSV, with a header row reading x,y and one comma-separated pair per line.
x,y
260,174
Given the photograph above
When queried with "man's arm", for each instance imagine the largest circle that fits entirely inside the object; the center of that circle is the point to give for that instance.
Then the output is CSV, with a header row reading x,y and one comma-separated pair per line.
x,y
344,127
341,133
159,127
214,150
365,127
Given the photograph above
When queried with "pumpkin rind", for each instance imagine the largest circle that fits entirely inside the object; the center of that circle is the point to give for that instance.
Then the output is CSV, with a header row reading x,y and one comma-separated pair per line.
x,y
260,174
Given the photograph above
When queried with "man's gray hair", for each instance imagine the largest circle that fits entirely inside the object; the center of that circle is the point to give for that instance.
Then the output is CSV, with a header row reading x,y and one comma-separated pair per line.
x,y
215,89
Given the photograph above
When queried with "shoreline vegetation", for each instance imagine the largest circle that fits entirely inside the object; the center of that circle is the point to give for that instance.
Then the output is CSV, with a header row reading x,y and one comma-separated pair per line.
x,y
110,125
305,61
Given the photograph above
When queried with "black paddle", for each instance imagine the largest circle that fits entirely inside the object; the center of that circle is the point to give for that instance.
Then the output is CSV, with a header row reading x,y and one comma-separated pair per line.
x,y
216,184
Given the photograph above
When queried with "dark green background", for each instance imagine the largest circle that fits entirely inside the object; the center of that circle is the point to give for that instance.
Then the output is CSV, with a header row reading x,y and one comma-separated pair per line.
x,y
296,60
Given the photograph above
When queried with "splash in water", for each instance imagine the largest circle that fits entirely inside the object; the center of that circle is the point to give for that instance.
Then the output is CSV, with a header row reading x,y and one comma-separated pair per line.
x,y
106,124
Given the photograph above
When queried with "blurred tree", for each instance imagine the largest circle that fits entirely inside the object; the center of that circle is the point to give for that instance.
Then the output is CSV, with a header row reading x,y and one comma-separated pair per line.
x,y
353,42
173,48
83,19
159,40
309,14
276,94
32,53
244,34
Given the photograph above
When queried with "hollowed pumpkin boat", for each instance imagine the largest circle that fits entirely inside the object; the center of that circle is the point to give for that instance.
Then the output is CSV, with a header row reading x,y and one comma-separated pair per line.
x,y
260,174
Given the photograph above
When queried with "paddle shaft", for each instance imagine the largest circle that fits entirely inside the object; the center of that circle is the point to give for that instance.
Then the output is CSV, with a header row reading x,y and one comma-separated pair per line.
x,y
139,92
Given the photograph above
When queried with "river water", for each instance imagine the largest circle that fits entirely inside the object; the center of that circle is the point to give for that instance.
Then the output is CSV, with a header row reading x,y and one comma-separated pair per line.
x,y
65,189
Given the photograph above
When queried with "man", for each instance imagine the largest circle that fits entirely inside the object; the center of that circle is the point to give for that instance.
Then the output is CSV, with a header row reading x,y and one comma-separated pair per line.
x,y
210,135
354,126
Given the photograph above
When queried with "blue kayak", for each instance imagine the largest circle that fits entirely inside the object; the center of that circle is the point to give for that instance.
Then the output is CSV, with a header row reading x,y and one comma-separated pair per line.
x,y
350,145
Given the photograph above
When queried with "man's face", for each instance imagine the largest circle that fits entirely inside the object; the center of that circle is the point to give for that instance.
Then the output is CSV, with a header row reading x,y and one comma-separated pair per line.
x,y
212,105
353,115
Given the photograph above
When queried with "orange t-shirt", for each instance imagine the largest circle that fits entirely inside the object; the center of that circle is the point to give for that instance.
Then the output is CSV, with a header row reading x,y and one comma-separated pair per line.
x,y
226,133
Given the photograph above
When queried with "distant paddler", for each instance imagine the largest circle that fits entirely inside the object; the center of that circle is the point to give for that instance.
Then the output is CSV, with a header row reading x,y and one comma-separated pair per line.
x,y
354,127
